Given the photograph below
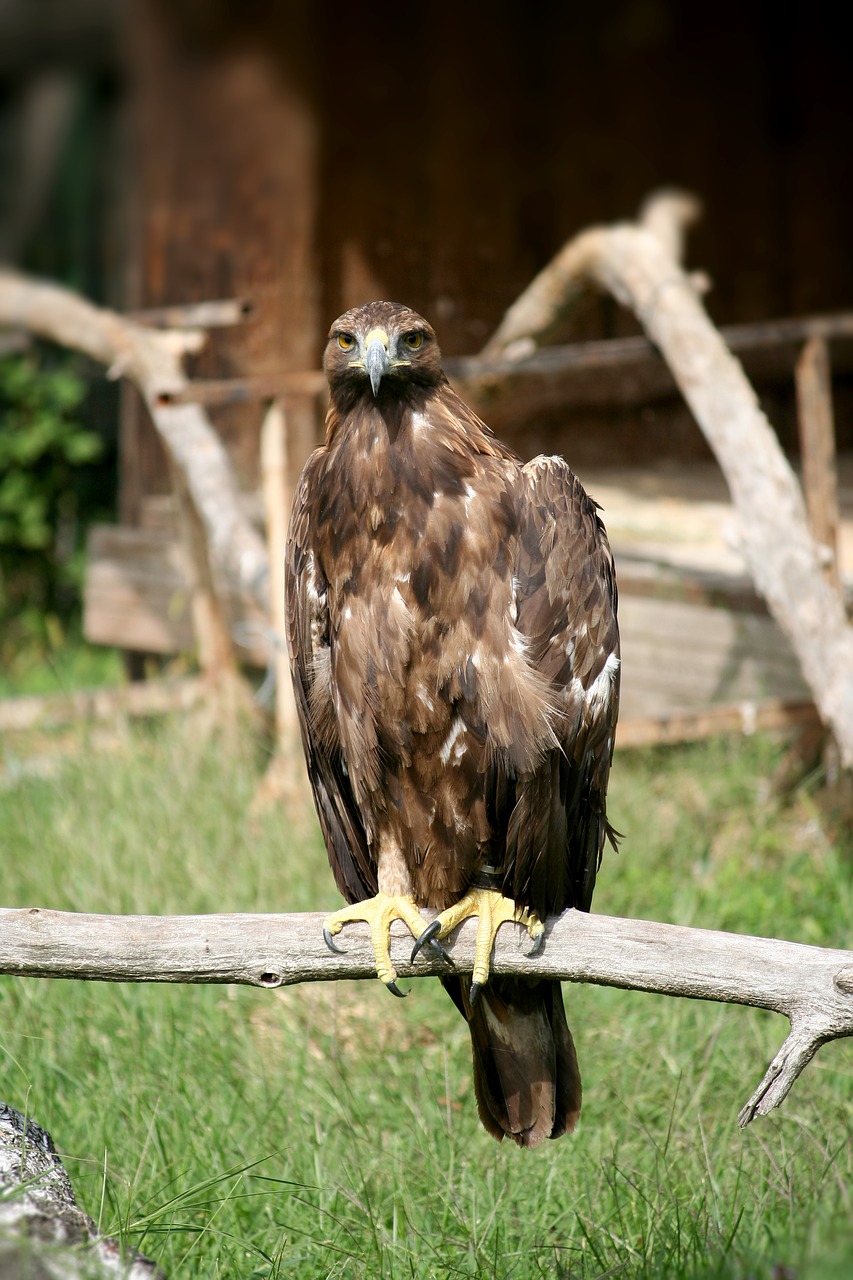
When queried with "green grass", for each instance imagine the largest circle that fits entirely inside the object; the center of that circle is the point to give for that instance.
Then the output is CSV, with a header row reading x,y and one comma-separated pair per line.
x,y
330,1131
45,658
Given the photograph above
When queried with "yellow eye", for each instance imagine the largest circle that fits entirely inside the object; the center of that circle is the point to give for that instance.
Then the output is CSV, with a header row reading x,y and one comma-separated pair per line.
x,y
413,340
346,341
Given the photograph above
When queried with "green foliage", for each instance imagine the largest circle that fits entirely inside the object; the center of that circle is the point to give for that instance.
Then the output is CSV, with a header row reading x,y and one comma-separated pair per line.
x,y
330,1131
40,445
47,456
38,654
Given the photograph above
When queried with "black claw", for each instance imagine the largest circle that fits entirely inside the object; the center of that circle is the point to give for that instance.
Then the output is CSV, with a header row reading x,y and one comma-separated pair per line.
x,y
429,936
440,951
395,990
474,993
538,944
331,944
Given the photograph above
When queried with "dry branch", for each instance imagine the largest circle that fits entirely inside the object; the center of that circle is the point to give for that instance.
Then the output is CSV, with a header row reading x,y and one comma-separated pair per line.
x,y
634,263
817,451
285,781
811,986
277,500
220,313
152,360
665,217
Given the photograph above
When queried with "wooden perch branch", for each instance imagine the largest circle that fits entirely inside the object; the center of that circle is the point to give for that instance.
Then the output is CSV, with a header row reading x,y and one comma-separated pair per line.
x,y
635,263
812,986
152,360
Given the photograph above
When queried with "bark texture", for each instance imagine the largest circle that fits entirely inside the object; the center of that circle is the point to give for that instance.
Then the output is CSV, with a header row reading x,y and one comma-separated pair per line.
x,y
811,986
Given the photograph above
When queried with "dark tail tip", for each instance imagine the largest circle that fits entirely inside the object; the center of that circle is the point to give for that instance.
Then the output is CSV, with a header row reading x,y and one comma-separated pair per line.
x,y
526,1076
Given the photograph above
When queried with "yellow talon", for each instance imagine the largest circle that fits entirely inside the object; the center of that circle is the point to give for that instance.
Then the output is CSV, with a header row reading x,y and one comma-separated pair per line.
x,y
379,913
492,910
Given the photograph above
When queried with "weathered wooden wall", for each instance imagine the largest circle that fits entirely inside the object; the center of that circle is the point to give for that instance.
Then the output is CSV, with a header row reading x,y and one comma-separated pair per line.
x,y
306,158
224,205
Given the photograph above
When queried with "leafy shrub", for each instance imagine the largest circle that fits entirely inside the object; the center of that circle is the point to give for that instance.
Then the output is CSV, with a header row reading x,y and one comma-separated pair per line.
x,y
46,454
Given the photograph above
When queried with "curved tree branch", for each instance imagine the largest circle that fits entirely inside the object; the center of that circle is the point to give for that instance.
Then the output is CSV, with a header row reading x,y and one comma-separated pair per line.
x,y
812,986
666,215
152,360
635,263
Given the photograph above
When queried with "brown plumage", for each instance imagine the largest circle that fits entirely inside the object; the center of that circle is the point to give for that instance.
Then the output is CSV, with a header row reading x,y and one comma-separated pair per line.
x,y
455,653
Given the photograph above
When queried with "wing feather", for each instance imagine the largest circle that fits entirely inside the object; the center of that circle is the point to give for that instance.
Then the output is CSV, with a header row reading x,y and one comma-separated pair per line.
x,y
566,603
308,643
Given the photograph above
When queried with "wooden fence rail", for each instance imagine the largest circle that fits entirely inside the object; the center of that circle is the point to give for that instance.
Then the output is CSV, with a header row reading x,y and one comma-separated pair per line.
x,y
811,986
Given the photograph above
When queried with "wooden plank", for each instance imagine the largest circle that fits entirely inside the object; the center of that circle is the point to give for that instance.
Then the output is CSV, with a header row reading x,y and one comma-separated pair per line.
x,y
791,331
551,377
817,450
683,657
224,169
159,511
678,656
137,596
739,718
136,616
699,628
154,697
211,626
626,372
612,354
638,576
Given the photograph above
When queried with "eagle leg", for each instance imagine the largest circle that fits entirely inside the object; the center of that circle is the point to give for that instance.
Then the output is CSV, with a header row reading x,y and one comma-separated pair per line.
x,y
378,913
492,910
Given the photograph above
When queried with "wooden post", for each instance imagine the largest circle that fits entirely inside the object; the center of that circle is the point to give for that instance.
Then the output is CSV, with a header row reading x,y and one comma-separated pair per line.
x,y
817,449
284,782
215,647
275,481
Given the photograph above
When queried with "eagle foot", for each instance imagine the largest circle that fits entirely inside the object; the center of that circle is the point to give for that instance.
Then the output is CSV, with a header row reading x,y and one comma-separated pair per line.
x,y
492,910
378,913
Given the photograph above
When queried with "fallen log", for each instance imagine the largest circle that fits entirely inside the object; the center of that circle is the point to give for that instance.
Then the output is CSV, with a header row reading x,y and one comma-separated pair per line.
x,y
811,986
43,1233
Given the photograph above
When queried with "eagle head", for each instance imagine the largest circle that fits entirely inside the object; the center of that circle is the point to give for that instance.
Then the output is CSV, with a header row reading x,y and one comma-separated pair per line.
x,y
382,346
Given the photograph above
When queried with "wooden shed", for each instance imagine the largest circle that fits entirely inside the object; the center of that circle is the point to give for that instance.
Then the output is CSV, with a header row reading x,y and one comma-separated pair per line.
x,y
300,158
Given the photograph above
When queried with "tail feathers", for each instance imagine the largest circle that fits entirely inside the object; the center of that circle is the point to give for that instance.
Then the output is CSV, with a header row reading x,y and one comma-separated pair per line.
x,y
526,1075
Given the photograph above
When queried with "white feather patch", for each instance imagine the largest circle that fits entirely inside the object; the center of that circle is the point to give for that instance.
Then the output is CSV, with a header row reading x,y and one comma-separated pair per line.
x,y
454,733
600,691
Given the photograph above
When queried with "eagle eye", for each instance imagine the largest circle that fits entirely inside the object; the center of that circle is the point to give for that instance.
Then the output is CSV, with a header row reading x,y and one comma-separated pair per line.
x,y
413,340
346,341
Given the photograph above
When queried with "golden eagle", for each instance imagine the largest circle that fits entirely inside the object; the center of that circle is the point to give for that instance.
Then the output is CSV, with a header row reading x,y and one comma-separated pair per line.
x,y
452,628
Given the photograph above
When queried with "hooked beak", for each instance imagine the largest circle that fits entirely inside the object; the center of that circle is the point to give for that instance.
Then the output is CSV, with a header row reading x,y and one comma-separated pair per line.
x,y
377,361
